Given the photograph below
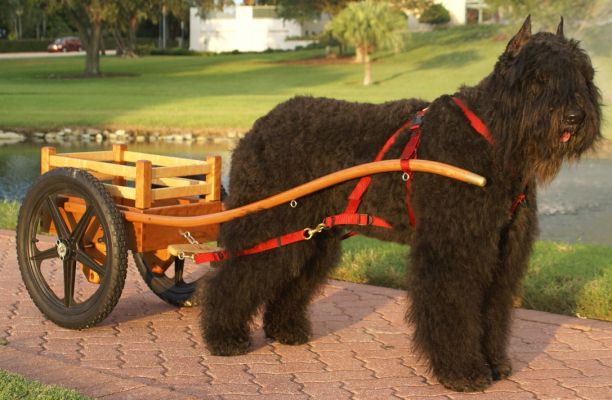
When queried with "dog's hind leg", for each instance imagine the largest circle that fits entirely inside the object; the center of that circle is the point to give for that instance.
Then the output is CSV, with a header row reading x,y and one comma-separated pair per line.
x,y
230,298
515,248
285,317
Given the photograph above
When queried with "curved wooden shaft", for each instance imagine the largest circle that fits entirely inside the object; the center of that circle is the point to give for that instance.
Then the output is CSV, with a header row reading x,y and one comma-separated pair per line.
x,y
306,189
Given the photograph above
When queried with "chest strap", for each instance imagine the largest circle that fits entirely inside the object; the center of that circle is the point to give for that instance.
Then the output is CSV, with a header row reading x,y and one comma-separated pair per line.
x,y
412,128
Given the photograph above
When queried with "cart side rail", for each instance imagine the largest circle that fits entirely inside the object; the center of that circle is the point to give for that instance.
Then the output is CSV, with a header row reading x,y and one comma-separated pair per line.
x,y
145,172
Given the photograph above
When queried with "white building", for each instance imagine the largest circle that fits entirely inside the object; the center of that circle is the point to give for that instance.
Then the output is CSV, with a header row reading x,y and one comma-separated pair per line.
x,y
257,28
246,28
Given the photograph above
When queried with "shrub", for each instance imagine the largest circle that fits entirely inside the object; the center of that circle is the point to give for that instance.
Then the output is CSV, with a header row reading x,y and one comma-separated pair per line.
x,y
178,51
435,14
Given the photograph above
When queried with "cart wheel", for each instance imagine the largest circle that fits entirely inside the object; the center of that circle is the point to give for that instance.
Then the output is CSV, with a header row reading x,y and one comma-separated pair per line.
x,y
175,283
68,221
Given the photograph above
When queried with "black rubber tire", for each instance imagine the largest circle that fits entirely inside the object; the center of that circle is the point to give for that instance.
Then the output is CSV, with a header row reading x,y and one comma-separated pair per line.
x,y
111,265
180,294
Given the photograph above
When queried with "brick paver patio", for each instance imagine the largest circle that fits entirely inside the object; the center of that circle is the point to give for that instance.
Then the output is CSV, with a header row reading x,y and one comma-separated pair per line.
x,y
361,350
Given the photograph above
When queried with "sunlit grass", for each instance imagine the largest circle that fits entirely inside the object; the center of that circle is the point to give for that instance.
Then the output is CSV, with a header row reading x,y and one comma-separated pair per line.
x,y
571,279
232,91
13,386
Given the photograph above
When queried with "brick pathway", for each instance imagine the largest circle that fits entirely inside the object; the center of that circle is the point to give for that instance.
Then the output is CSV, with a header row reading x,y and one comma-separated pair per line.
x,y
361,350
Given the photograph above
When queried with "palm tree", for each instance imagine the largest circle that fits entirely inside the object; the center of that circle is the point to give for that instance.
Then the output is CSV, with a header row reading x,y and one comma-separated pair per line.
x,y
369,25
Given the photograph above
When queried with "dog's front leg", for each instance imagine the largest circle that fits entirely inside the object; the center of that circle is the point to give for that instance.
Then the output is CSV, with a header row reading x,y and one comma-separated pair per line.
x,y
515,247
452,260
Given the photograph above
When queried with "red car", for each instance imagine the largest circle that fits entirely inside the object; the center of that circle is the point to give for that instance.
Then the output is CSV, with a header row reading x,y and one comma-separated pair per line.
x,y
64,44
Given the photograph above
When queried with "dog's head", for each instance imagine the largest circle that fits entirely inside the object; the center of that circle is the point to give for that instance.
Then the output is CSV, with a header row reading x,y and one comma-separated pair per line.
x,y
545,84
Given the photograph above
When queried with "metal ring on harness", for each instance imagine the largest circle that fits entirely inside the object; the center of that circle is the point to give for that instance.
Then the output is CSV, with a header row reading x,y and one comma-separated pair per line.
x,y
405,176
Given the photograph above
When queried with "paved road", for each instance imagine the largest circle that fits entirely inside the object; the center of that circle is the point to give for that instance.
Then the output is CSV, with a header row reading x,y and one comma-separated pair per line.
x,y
361,350
42,54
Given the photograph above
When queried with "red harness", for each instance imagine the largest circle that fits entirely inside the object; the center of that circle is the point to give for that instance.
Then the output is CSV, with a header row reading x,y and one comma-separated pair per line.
x,y
350,215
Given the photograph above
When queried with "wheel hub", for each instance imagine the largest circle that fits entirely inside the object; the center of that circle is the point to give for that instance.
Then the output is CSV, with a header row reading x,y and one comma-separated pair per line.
x,y
62,249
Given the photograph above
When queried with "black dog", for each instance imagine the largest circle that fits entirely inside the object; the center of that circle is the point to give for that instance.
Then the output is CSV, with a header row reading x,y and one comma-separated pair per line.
x,y
470,245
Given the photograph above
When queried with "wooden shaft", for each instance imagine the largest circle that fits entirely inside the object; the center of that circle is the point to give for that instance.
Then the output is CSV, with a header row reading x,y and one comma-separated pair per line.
x,y
306,189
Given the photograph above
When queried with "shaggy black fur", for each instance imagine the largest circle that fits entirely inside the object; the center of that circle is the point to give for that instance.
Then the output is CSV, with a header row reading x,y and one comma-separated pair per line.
x,y
468,253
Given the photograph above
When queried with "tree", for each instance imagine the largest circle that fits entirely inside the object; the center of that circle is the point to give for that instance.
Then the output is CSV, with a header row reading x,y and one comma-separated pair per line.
x,y
88,16
125,19
369,25
549,11
23,18
412,7
305,9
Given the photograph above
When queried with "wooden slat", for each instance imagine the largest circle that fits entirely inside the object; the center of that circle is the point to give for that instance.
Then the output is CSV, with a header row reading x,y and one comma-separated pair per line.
x,y
102,177
165,161
172,192
97,166
91,155
183,170
198,207
121,191
190,249
176,182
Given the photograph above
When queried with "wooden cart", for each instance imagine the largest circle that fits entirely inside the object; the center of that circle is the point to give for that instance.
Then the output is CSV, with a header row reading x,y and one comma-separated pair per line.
x,y
88,209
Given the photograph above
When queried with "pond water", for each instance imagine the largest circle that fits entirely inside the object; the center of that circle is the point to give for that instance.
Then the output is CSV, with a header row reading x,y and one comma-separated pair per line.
x,y
576,207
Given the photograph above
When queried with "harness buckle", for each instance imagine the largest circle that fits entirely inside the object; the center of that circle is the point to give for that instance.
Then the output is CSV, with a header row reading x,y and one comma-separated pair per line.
x,y
310,232
189,238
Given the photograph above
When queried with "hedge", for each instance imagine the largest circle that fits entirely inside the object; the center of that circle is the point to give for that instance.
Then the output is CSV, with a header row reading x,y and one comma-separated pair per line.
x,y
23,45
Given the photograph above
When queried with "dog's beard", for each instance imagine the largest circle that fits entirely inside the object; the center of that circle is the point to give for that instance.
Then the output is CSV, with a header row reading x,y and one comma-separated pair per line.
x,y
544,171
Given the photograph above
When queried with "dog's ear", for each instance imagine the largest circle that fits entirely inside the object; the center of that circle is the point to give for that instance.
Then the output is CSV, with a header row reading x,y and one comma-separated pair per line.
x,y
518,41
560,29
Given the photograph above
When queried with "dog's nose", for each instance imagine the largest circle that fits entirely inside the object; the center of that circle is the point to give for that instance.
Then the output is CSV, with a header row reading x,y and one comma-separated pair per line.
x,y
573,116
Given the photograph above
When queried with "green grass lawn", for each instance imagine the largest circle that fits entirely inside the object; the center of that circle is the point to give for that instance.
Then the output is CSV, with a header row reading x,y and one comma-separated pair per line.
x,y
13,386
570,279
231,91
8,214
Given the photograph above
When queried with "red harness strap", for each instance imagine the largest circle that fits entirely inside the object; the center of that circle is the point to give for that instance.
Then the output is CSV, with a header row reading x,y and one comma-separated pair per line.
x,y
482,129
297,236
476,122
410,151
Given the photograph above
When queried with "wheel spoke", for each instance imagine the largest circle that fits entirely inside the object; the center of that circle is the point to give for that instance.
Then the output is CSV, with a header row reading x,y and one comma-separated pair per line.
x,y
178,271
89,262
58,221
42,255
81,226
69,281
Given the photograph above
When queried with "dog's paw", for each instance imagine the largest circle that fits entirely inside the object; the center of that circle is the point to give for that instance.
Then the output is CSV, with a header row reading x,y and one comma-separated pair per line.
x,y
501,370
296,335
474,383
229,347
